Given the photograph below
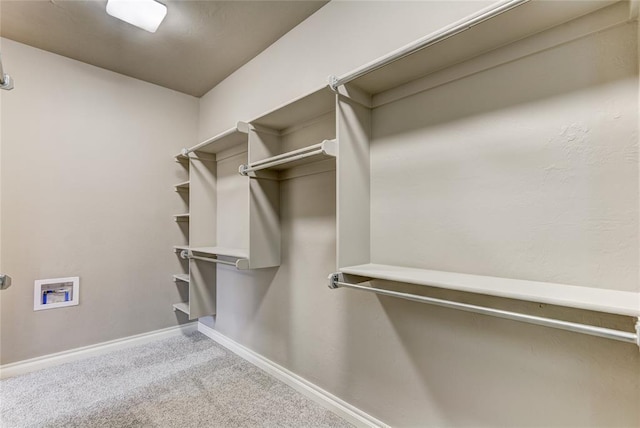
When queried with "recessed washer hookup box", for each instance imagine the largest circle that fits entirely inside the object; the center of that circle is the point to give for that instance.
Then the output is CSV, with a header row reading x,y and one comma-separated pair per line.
x,y
56,293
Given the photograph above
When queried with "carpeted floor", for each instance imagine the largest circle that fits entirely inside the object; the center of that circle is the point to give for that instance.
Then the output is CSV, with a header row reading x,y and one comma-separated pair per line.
x,y
187,381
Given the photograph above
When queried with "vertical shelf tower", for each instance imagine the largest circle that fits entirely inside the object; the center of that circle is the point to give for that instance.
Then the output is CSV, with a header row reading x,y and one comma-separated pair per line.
x,y
182,220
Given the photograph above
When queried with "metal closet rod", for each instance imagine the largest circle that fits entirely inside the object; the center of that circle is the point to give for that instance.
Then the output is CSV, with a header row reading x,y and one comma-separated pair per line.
x,y
212,260
335,281
185,255
431,39
292,156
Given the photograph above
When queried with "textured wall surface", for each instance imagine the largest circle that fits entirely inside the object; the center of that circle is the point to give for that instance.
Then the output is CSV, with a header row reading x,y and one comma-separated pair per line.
x,y
528,170
87,190
407,363
102,143
335,40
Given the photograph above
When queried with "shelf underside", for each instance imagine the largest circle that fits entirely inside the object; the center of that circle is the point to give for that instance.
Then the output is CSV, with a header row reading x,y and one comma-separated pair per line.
x,y
299,111
181,187
594,299
513,25
300,162
180,158
181,217
221,251
230,138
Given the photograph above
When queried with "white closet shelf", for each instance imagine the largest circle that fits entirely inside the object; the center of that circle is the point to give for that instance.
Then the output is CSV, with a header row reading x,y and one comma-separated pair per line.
x,y
181,217
180,187
594,299
229,138
314,153
300,110
184,277
182,307
177,248
512,25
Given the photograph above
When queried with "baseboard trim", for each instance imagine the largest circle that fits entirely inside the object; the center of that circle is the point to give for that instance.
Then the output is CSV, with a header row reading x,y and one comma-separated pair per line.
x,y
308,389
51,360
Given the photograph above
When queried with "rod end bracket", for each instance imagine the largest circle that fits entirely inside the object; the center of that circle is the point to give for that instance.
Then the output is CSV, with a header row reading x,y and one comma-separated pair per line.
x,y
333,83
334,279
6,82
5,281
242,264
242,169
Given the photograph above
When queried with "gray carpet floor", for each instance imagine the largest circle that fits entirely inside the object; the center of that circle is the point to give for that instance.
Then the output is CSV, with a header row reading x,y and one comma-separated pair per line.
x,y
186,381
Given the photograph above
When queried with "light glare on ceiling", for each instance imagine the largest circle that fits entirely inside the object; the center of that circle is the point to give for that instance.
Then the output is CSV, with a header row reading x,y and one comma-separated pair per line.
x,y
145,14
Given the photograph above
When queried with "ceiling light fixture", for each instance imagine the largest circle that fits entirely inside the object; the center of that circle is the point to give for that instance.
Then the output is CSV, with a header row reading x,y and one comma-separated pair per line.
x,y
145,14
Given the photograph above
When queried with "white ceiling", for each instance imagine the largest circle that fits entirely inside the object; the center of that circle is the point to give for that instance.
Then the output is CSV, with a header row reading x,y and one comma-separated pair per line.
x,y
198,44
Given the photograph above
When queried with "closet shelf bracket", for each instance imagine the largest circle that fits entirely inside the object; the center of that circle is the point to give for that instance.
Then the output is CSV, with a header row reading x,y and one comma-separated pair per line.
x,y
336,280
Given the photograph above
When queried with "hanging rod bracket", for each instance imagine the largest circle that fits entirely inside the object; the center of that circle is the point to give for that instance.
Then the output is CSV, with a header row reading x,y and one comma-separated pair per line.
x,y
6,82
333,83
5,281
334,279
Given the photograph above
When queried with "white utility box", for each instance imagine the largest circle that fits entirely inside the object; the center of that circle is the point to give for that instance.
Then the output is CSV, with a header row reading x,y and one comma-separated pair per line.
x,y
56,293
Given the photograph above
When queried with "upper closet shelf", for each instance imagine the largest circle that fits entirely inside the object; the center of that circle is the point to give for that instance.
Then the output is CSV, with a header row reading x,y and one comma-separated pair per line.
x,y
324,150
594,299
493,27
300,110
205,253
231,137
181,217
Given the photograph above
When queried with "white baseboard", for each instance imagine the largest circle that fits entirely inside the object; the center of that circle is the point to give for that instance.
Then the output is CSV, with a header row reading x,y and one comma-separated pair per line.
x,y
327,400
38,363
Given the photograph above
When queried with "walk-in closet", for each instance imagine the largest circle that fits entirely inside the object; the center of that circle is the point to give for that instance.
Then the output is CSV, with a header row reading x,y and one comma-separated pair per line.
x,y
320,213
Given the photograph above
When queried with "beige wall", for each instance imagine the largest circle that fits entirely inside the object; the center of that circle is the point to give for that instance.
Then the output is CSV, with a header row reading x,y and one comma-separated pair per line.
x,y
525,180
403,362
410,364
339,37
87,175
